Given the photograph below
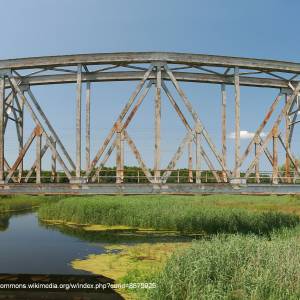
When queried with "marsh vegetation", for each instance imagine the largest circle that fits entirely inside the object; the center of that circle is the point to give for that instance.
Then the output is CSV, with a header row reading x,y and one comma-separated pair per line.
x,y
244,247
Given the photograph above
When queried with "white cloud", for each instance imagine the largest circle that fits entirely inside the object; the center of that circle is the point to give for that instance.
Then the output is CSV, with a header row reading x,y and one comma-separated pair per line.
x,y
244,134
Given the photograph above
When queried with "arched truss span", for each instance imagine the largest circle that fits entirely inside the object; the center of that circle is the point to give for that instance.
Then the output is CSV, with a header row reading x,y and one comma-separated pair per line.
x,y
148,69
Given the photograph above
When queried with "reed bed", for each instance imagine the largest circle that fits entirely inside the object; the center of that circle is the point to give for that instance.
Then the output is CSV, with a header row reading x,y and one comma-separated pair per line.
x,y
23,202
231,267
179,213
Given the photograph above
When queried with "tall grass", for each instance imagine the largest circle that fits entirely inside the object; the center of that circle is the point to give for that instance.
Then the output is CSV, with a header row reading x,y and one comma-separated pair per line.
x,y
232,267
22,202
184,214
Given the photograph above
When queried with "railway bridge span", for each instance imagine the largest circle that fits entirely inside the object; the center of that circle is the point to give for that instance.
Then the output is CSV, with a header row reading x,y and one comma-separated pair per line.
x,y
207,169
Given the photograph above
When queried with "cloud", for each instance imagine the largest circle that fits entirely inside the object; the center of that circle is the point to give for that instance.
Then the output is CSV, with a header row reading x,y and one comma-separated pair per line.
x,y
245,134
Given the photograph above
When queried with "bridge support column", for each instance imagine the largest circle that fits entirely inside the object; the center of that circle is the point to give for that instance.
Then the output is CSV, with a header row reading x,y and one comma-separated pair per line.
x,y
223,112
275,155
190,162
78,121
256,146
119,155
287,146
20,129
88,126
2,102
157,150
198,154
53,165
38,160
237,122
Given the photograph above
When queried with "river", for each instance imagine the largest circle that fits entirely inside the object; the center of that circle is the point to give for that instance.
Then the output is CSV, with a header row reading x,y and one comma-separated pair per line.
x,y
29,247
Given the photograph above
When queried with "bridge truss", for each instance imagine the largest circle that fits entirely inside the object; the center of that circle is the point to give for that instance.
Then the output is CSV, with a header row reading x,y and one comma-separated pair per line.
x,y
151,70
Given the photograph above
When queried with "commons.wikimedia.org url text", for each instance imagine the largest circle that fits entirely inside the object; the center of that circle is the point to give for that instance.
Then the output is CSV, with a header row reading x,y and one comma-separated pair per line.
x,y
77,286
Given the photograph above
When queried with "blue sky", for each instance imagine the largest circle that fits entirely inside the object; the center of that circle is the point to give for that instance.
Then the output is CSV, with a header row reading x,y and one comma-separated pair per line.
x,y
261,29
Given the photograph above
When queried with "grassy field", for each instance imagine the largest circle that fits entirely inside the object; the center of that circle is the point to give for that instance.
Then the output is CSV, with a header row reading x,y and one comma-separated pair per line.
x,y
187,214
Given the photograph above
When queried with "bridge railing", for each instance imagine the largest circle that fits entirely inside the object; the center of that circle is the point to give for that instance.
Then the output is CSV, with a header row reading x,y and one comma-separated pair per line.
x,y
176,176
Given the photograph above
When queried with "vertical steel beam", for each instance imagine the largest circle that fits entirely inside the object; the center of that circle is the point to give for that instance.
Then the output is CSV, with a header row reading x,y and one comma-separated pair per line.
x,y
38,160
88,126
78,120
20,125
223,112
256,146
118,154
53,165
2,102
190,162
157,150
275,156
287,146
198,154
122,156
296,168
237,122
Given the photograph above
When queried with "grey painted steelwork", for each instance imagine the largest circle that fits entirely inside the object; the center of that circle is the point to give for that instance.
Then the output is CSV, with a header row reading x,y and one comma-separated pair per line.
x,y
149,69
135,189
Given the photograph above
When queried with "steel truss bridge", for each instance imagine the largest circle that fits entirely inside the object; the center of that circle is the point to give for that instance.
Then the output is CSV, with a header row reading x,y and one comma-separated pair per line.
x,y
150,70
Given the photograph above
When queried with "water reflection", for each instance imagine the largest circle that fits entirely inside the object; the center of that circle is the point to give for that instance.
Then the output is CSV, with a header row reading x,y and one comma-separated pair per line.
x,y
28,248
4,221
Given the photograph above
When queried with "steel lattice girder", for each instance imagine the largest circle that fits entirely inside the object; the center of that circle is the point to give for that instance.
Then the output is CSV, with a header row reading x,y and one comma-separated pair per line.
x,y
163,66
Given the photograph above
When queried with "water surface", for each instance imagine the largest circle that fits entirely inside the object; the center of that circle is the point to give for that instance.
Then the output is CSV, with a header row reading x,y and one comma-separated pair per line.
x,y
28,247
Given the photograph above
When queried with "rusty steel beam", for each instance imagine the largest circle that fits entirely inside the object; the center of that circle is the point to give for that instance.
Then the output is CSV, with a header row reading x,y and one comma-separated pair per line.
x,y
190,162
2,108
38,160
278,120
157,142
188,138
119,167
22,153
223,129
120,118
196,118
78,121
138,157
37,122
275,155
105,159
88,126
287,146
198,154
237,123
260,128
51,128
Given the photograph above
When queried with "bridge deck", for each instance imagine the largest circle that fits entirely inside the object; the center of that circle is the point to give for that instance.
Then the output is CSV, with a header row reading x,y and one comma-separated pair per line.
x,y
134,189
